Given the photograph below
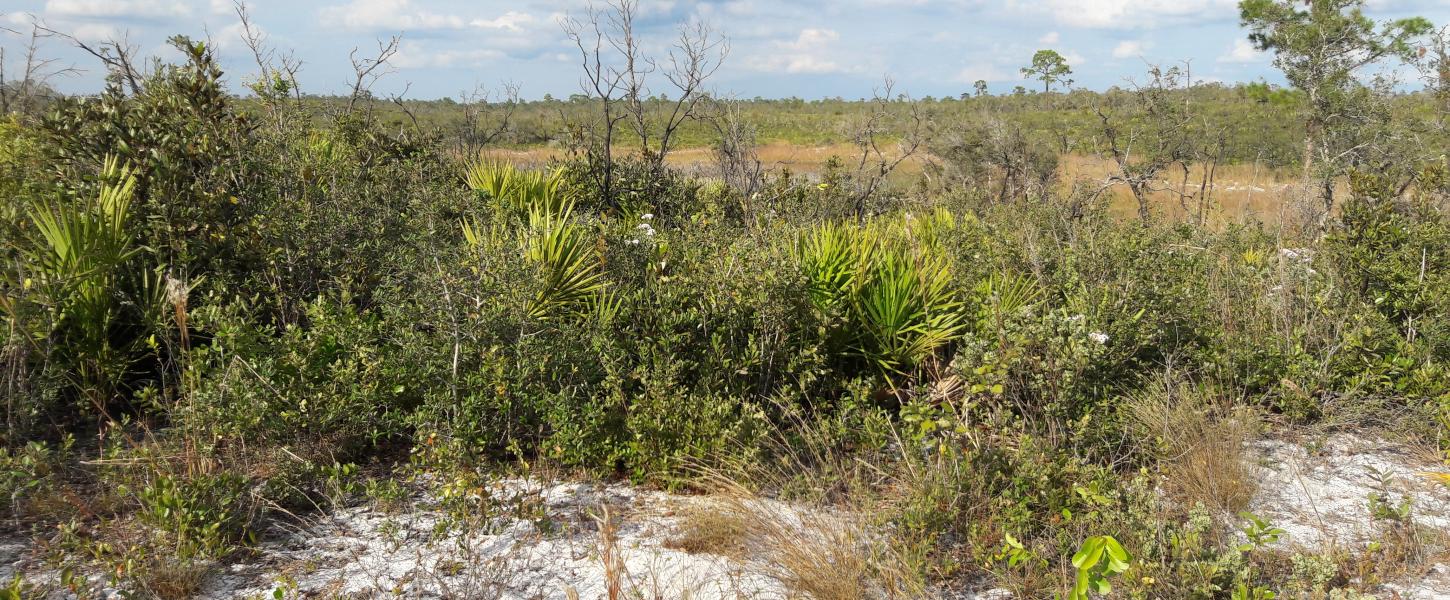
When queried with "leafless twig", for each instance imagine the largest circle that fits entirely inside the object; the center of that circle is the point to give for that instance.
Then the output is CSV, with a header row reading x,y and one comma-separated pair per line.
x,y
485,118
118,55
368,70
874,165
36,73
276,76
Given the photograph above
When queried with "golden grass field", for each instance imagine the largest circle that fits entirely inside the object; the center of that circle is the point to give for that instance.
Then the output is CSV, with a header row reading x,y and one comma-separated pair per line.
x,y
1241,193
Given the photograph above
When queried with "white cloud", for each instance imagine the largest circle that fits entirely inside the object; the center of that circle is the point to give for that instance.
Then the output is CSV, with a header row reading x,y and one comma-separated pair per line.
x,y
414,56
96,32
391,15
1130,48
1050,37
810,39
232,35
512,29
20,18
511,20
1242,52
222,7
98,9
1074,59
739,8
810,52
1129,14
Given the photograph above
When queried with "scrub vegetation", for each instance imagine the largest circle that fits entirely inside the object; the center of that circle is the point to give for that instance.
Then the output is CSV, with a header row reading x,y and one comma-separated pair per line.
x,y
975,366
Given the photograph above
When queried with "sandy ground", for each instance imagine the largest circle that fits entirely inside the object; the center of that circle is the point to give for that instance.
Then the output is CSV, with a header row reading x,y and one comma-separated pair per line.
x,y
1319,494
543,540
548,550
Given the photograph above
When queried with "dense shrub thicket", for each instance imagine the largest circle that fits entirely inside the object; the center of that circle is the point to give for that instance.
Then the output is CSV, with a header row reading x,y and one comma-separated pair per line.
x,y
239,311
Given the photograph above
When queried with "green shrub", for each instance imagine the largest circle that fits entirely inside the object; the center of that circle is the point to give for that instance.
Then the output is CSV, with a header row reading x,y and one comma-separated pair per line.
x,y
201,515
31,477
89,287
327,388
1390,253
186,140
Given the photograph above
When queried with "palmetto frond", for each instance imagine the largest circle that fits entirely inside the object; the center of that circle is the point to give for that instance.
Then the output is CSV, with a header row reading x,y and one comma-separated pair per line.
x,y
573,275
516,191
894,296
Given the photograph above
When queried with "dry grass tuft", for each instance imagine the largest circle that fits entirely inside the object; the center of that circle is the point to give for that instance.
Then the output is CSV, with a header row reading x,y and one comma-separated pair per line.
x,y
615,574
810,518
1200,444
819,553
706,529
178,579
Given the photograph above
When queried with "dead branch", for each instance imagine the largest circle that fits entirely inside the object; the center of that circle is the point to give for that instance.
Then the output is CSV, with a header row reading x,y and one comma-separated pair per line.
x,y
368,70
873,165
36,73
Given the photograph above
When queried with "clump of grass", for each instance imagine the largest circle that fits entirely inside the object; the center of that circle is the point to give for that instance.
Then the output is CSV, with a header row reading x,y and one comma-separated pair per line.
x,y
822,553
1200,445
706,529
813,517
172,579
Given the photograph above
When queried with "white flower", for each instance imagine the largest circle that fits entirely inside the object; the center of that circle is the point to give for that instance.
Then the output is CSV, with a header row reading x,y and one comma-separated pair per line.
x,y
634,242
1099,337
1074,319
1302,255
647,216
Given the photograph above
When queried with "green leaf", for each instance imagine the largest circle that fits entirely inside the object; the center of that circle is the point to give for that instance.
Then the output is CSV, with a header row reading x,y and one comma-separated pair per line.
x,y
1091,552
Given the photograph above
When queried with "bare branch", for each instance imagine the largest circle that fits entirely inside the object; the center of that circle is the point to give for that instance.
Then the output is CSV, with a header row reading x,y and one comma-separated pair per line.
x,y
485,120
1154,137
35,75
276,77
617,77
118,56
735,147
397,99
873,165
368,70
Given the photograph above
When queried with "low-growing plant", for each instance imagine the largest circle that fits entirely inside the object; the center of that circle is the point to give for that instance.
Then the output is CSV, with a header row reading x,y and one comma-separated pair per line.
x,y
30,475
87,275
202,515
1099,558
1258,532
517,192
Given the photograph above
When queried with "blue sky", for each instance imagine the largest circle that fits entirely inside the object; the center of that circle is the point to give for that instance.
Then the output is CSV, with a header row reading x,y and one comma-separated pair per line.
x,y
779,48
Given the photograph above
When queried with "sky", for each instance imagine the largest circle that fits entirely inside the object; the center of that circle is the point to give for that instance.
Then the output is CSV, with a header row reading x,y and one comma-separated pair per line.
x,y
778,48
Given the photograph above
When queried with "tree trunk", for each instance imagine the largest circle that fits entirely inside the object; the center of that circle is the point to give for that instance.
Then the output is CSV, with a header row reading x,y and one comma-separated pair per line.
x,y
1137,189
1309,149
